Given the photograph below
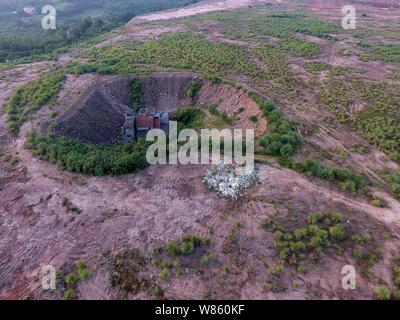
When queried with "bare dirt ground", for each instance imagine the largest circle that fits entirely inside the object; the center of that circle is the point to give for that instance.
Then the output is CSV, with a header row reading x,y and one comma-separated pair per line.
x,y
199,8
161,203
152,207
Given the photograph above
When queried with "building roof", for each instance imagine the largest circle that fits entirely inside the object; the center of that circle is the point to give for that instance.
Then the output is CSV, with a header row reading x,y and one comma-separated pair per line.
x,y
157,123
144,121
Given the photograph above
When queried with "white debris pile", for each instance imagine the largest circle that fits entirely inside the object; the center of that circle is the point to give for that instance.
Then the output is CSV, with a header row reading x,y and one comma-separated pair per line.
x,y
229,180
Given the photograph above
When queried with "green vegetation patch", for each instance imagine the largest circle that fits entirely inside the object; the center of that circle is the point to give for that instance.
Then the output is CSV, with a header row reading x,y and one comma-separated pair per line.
x,y
90,159
300,48
378,120
257,25
110,60
135,91
30,98
393,178
187,245
316,66
277,69
388,53
70,280
195,52
177,51
194,89
192,118
188,253
347,179
324,230
281,139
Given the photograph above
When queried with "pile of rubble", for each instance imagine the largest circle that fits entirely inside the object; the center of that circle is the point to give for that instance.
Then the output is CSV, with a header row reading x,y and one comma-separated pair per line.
x,y
229,180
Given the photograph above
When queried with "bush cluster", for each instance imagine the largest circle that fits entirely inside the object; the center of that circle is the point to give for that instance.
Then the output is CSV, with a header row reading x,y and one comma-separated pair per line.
x,y
81,273
90,159
281,139
322,231
31,98
187,245
346,178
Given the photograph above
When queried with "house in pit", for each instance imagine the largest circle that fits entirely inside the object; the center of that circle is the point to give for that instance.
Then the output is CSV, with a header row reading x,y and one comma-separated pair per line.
x,y
137,125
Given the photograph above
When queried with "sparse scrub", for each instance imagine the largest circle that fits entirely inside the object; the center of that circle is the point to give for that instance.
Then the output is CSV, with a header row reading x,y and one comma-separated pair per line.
x,y
176,256
324,230
125,268
66,203
71,280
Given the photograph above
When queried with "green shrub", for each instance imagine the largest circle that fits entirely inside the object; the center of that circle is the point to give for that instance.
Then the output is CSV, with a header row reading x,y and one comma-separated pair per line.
x,y
71,279
194,88
82,271
172,248
187,247
30,98
383,292
281,140
397,276
69,294
357,252
337,231
277,270
376,201
253,118
207,258
393,178
165,274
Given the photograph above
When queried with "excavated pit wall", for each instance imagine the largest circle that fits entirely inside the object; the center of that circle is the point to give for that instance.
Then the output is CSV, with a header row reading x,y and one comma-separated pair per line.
x,y
99,113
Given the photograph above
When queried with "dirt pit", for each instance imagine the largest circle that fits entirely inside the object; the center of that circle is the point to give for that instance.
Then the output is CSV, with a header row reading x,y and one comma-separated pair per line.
x,y
98,115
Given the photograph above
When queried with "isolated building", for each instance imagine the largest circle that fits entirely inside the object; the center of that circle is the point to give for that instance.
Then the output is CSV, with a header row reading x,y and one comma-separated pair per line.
x,y
137,125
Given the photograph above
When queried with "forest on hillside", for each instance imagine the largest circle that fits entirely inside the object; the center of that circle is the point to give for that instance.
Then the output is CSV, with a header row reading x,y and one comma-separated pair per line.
x,y
21,34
